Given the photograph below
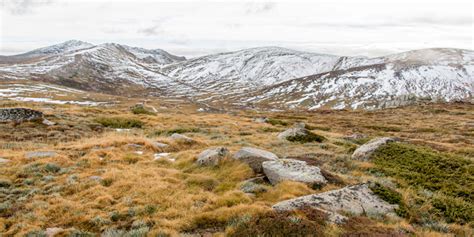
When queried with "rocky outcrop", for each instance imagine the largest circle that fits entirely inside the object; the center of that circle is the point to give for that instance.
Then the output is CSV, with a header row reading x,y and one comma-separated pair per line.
x,y
19,115
365,151
254,157
356,199
292,170
211,157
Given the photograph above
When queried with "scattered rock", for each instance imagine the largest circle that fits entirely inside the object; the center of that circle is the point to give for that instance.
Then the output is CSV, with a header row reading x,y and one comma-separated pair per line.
x,y
19,115
261,120
356,199
95,178
211,157
365,151
51,232
254,185
40,154
48,123
355,136
300,134
182,138
254,157
163,156
293,170
300,125
159,145
3,161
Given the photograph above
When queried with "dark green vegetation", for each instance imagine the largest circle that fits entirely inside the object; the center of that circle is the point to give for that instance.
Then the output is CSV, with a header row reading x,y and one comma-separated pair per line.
x,y
275,122
141,110
309,222
309,137
391,196
174,130
450,178
119,122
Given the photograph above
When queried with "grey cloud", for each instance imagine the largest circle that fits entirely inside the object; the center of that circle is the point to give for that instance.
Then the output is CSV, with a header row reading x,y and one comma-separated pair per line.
x,y
20,7
256,8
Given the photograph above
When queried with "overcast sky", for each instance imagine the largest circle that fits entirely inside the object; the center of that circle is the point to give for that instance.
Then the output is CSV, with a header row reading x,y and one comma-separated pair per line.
x,y
193,28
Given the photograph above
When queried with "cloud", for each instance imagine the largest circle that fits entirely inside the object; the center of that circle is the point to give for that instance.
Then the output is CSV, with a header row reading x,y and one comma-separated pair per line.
x,y
21,7
257,8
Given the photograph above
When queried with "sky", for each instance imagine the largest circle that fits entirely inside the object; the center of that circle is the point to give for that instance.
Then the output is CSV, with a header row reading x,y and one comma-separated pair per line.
x,y
194,28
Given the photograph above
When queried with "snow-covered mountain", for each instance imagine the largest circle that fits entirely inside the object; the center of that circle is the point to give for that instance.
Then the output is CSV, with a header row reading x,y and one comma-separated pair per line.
x,y
395,80
265,76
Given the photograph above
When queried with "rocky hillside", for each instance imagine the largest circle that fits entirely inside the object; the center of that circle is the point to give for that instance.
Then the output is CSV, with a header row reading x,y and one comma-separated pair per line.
x,y
268,77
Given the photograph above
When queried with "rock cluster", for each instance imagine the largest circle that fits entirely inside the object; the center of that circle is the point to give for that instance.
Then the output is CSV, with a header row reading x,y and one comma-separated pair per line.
x,y
211,157
254,157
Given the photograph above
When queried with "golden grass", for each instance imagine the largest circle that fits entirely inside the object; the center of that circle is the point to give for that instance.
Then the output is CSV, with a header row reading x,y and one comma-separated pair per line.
x,y
180,196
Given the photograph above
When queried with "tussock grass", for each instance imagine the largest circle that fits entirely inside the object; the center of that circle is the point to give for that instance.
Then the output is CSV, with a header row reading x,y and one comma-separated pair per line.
x,y
119,122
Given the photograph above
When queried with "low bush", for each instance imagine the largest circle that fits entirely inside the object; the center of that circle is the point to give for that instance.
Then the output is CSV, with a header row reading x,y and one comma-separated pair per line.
x,y
141,110
306,222
309,137
391,196
450,177
175,130
275,122
120,122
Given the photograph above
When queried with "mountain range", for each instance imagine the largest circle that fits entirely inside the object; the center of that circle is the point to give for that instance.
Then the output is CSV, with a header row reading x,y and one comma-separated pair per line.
x,y
267,77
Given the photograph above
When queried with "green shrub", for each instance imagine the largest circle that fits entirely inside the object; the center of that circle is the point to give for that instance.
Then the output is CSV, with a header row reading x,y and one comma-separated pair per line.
x,y
120,122
175,130
384,128
391,196
310,222
309,137
141,110
446,174
52,168
454,209
106,182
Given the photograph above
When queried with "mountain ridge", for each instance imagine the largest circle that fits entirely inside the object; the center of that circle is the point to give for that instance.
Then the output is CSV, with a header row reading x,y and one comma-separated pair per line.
x,y
268,76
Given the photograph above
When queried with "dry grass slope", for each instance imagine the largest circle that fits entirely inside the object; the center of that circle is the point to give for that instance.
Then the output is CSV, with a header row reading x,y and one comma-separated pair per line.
x,y
105,180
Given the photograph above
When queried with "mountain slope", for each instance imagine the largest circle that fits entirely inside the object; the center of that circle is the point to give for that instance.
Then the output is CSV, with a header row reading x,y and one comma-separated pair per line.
x,y
267,76
431,74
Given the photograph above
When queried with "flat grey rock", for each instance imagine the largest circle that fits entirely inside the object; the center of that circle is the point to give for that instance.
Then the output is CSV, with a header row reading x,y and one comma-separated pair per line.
x,y
181,138
292,170
254,157
40,154
211,157
365,151
292,132
356,199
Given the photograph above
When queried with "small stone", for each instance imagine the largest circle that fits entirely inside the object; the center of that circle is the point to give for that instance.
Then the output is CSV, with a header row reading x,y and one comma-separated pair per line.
x,y
211,157
48,123
254,185
261,120
40,154
95,178
163,156
254,157
160,145
51,232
